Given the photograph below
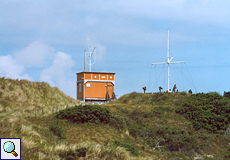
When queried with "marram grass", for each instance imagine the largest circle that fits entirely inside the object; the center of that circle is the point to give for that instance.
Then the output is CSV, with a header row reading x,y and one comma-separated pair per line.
x,y
20,99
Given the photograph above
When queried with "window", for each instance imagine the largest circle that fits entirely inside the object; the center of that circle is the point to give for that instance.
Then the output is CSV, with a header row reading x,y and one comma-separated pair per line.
x,y
110,77
88,85
79,88
95,76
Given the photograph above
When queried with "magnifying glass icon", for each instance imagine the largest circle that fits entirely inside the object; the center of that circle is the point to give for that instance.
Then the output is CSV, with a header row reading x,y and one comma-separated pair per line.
x,y
9,147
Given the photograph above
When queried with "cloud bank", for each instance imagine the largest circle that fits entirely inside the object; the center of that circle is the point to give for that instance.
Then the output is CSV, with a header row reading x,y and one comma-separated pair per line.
x,y
37,55
10,68
57,73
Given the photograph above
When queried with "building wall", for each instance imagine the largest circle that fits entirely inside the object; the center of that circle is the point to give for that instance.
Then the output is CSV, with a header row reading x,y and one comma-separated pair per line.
x,y
88,76
96,85
80,90
111,77
80,76
98,89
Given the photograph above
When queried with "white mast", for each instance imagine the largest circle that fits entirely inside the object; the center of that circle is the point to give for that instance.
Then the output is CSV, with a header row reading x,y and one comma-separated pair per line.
x,y
90,57
168,61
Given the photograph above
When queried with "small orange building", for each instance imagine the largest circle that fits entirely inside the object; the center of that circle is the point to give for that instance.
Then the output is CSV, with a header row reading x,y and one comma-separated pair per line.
x,y
95,86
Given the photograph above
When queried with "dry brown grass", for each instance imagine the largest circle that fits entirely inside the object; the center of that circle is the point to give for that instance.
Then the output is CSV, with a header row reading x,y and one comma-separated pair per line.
x,y
26,95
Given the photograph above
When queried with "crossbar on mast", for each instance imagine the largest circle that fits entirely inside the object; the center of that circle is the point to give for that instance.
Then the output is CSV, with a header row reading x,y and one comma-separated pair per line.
x,y
168,60
90,57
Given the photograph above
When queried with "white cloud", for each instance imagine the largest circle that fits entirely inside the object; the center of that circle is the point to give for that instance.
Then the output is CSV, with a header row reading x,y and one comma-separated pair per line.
x,y
35,54
10,68
56,74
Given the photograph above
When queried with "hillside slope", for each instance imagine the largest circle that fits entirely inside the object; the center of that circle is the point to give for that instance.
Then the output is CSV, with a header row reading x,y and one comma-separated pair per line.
x,y
26,95
140,126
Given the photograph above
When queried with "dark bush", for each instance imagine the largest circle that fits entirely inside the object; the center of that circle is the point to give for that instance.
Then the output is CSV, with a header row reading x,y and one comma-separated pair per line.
x,y
227,95
208,111
85,114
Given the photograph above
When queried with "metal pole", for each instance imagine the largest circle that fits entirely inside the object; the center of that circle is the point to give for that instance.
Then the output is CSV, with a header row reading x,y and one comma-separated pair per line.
x,y
168,77
36,112
90,58
84,60
84,87
168,58
168,47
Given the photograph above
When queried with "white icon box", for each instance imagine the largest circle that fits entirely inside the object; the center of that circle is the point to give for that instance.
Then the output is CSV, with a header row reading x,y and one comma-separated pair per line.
x,y
10,148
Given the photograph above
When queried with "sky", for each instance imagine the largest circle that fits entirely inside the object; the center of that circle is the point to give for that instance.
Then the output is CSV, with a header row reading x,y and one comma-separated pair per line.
x,y
45,41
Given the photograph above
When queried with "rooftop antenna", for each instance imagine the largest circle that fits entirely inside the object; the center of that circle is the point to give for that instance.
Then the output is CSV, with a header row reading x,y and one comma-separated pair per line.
x,y
168,60
90,58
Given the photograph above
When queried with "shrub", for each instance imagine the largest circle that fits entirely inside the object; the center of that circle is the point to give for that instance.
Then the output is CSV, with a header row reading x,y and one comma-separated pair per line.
x,y
85,114
209,111
57,130
227,95
92,114
175,139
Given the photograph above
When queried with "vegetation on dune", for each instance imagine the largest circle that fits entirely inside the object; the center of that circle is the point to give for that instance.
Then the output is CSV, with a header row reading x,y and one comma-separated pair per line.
x,y
130,148
136,126
91,114
44,139
57,130
85,114
209,111
24,95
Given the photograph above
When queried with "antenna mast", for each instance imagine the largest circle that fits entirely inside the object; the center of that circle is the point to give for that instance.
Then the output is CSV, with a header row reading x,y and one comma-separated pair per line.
x,y
90,58
168,60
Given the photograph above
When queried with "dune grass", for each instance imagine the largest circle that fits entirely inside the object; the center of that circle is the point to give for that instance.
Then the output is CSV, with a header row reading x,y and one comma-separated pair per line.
x,y
149,124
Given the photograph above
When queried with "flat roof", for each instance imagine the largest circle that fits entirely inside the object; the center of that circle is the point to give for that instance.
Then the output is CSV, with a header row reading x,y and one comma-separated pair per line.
x,y
97,72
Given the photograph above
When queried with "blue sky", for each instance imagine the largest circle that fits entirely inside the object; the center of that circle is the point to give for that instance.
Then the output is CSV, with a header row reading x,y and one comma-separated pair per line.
x,y
45,41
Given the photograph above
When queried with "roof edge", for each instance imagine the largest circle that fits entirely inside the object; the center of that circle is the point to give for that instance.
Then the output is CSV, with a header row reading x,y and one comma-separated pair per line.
x,y
97,72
